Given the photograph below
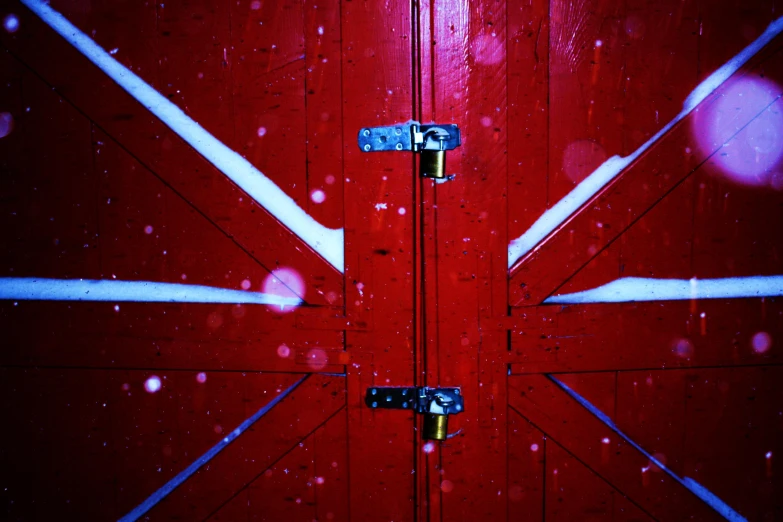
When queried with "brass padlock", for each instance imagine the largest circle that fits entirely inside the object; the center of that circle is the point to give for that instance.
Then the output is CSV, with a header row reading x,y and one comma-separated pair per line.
x,y
433,164
433,153
436,426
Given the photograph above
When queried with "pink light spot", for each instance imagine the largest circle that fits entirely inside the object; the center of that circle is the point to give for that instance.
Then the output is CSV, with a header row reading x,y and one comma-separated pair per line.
x,y
534,447
218,429
752,154
283,351
761,342
284,282
486,121
6,124
148,229
598,43
329,179
116,308
605,440
581,158
447,486
464,341
316,359
768,455
319,480
318,196
152,384
428,447
11,23
682,348
125,387
401,211
245,284
201,377
261,132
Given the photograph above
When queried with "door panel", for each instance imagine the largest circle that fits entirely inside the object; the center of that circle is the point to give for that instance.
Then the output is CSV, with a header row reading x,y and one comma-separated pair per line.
x,y
601,141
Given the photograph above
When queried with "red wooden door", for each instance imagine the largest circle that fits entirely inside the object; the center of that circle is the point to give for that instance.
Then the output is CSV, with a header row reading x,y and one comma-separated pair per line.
x,y
192,312
601,278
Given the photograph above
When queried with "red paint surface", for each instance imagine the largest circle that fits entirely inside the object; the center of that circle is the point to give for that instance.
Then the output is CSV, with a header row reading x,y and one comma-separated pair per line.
x,y
93,186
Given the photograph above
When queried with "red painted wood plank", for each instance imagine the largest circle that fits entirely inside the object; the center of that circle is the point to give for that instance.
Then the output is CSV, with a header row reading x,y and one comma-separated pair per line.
x,y
578,431
324,120
99,432
152,335
168,156
310,405
526,459
377,90
466,225
716,425
586,90
308,483
528,64
668,334
50,222
630,195
574,492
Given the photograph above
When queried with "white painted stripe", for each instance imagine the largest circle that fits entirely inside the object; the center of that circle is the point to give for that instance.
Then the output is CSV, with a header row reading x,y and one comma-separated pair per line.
x,y
628,289
694,487
43,289
185,474
600,177
326,242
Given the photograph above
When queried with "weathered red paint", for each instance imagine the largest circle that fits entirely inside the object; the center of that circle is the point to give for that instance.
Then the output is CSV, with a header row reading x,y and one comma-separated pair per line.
x,y
543,92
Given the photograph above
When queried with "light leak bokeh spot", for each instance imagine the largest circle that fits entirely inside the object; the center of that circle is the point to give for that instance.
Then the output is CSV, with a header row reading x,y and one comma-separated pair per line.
x,y
316,359
581,158
748,112
6,124
318,196
152,384
682,348
201,377
761,342
284,282
283,351
11,23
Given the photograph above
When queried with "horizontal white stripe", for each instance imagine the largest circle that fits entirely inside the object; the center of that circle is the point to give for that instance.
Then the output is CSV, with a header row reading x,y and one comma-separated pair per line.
x,y
592,184
629,289
326,242
43,289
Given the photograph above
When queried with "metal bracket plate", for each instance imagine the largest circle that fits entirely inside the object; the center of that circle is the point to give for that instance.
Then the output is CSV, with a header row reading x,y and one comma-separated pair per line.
x,y
410,136
420,400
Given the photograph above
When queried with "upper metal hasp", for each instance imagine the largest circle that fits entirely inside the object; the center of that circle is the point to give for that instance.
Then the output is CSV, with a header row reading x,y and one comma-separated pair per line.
x,y
411,136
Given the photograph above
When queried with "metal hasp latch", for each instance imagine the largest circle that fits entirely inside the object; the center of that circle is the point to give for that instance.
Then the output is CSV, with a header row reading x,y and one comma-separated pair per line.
x,y
431,140
435,403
